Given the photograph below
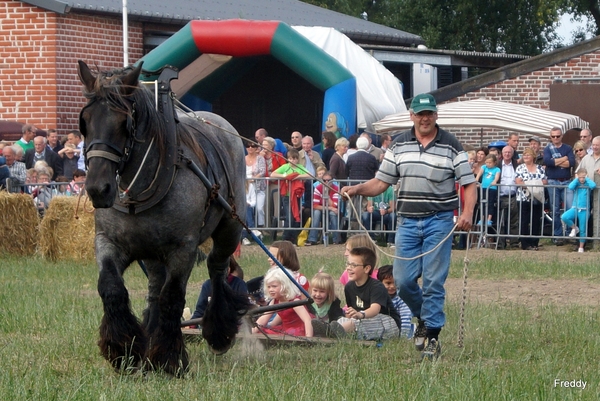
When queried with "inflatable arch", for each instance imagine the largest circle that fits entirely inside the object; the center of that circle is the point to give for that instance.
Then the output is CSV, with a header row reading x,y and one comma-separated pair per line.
x,y
211,54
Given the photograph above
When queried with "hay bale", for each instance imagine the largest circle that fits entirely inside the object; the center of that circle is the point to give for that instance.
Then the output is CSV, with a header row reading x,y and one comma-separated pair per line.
x,y
20,221
67,230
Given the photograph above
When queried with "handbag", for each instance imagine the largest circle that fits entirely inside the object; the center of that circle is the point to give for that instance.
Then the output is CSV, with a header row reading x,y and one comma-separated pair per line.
x,y
535,191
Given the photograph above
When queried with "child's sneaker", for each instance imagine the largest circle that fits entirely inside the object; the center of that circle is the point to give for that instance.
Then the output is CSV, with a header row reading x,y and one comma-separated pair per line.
x,y
336,330
320,328
580,250
245,241
420,335
574,231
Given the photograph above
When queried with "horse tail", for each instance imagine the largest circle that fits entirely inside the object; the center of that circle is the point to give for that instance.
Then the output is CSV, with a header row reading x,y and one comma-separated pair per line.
x,y
223,315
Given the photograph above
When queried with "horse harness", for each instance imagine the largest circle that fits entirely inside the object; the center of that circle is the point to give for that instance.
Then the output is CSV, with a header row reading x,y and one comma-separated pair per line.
x,y
127,201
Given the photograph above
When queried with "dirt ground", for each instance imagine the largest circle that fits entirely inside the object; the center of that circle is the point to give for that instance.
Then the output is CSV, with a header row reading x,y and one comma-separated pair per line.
x,y
524,292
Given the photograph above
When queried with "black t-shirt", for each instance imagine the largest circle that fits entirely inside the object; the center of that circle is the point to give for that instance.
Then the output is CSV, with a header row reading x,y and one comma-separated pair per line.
x,y
372,292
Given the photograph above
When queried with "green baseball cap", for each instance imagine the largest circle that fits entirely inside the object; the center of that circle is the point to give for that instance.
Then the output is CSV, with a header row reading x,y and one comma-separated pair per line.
x,y
423,102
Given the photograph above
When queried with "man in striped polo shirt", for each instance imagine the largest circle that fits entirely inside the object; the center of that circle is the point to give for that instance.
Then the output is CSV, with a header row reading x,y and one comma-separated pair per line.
x,y
427,161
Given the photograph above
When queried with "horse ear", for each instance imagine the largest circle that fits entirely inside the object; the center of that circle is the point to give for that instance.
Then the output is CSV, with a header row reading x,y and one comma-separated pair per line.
x,y
85,76
130,81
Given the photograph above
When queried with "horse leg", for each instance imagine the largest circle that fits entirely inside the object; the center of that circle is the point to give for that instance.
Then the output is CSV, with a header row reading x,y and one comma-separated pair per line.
x,y
157,275
122,339
222,316
166,348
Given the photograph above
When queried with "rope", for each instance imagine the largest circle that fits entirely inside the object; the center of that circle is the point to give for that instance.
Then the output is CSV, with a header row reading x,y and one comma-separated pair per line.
x,y
460,344
461,315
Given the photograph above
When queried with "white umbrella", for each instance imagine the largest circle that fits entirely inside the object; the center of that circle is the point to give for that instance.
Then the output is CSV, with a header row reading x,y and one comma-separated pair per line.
x,y
481,113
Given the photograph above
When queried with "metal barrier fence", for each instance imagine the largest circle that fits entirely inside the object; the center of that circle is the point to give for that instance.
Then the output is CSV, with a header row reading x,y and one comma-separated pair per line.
x,y
514,217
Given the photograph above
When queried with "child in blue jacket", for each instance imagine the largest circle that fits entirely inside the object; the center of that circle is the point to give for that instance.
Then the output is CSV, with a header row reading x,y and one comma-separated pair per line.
x,y
581,186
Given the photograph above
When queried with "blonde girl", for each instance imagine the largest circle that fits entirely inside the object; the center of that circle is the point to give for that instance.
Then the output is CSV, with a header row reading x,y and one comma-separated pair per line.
x,y
293,321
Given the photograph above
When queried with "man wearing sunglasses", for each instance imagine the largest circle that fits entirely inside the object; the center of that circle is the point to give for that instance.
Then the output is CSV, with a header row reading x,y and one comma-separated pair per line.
x,y
559,159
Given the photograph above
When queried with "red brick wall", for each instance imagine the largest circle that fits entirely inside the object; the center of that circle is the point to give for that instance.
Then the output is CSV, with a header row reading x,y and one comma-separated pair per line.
x,y
39,50
28,91
98,42
532,89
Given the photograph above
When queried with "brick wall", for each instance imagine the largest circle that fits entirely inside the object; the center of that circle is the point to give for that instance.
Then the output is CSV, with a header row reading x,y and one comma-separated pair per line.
x,y
27,74
532,89
39,50
98,42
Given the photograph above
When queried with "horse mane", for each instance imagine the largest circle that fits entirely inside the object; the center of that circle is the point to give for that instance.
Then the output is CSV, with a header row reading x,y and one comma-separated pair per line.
x,y
109,86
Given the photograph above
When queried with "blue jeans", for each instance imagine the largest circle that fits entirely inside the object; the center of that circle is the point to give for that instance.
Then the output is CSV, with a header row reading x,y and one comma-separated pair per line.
x,y
416,236
249,220
315,224
559,197
386,221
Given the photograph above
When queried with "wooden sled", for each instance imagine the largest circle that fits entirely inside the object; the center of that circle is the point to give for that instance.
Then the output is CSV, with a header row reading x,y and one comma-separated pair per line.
x,y
271,340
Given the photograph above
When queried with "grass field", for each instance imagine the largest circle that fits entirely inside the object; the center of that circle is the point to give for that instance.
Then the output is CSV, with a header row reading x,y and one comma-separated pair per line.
x,y
50,313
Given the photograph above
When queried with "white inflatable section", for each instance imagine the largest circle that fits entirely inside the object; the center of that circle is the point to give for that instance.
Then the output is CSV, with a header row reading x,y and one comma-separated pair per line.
x,y
379,91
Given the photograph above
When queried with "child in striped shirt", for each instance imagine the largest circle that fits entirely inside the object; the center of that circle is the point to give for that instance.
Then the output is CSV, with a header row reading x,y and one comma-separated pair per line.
x,y
386,276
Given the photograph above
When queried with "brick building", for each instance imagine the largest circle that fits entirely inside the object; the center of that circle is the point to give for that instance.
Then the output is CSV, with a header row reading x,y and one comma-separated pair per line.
x,y
565,80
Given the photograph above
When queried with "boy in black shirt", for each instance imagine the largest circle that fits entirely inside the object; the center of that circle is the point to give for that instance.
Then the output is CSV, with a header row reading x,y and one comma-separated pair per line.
x,y
370,313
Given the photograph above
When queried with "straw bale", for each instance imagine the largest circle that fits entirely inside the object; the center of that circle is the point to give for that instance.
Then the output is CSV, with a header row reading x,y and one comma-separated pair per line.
x,y
67,230
20,221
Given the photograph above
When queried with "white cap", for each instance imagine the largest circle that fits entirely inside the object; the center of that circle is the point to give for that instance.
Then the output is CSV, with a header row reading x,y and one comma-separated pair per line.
x,y
362,143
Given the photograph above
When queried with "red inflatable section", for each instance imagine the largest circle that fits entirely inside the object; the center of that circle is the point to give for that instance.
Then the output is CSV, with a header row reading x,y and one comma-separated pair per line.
x,y
237,38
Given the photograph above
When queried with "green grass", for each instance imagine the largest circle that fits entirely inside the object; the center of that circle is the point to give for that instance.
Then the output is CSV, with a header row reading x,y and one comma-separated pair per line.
x,y
49,315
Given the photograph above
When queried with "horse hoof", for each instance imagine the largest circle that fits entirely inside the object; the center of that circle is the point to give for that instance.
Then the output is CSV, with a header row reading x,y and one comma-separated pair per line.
x,y
224,350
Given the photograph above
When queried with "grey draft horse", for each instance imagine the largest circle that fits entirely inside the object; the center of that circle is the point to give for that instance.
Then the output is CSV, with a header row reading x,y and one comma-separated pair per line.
x,y
151,206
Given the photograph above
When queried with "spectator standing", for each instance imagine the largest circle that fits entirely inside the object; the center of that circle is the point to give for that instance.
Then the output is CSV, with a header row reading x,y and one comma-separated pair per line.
x,y
53,143
386,140
260,135
41,151
273,161
4,172
296,140
309,158
531,207
361,165
256,168
291,189
351,146
76,139
513,142
18,172
579,151
559,160
507,205
329,140
426,214
592,162
28,133
337,163
489,174
372,149
535,144
586,137
69,160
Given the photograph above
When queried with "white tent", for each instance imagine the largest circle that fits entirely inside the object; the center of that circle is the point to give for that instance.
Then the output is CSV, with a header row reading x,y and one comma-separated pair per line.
x,y
379,93
484,113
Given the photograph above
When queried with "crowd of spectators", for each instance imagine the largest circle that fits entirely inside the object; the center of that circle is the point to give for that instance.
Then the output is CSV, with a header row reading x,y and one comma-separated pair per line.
x,y
43,166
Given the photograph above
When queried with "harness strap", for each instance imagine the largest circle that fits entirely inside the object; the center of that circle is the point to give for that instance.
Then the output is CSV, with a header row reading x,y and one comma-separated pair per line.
x,y
104,154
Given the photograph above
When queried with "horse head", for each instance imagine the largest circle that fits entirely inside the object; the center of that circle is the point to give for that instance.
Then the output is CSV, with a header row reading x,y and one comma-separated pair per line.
x,y
107,123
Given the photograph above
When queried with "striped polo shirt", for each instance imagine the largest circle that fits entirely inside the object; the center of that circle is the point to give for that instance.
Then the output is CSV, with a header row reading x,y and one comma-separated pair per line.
x,y
427,175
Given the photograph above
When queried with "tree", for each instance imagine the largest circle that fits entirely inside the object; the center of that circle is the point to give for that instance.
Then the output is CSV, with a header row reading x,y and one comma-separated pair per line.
x,y
585,8
511,26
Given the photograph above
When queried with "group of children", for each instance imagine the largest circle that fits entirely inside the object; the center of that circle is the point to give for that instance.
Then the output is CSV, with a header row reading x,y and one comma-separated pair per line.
x,y
373,309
